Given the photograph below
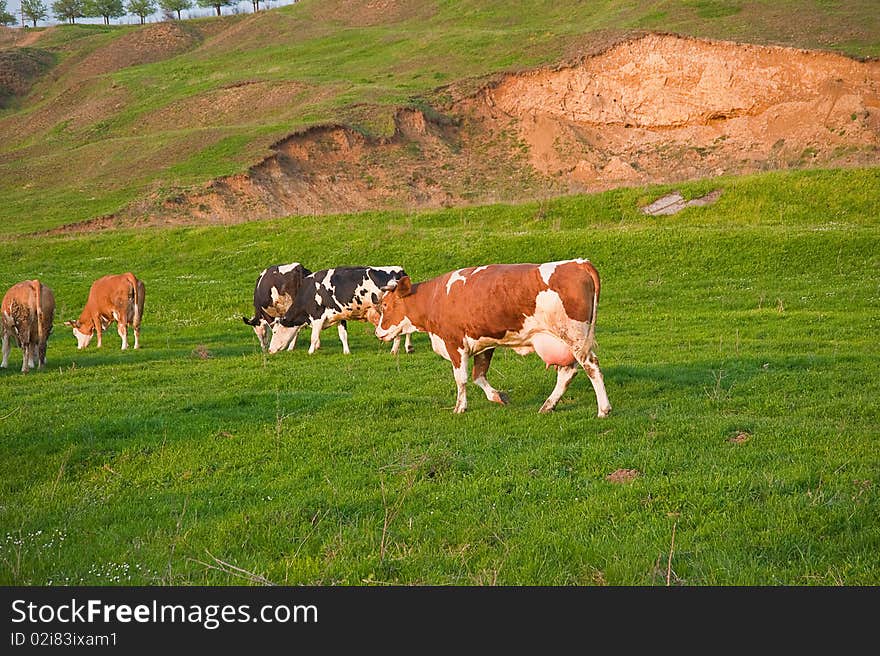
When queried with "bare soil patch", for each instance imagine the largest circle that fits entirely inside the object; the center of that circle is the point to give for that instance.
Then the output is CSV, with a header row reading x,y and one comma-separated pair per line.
x,y
622,475
19,68
154,42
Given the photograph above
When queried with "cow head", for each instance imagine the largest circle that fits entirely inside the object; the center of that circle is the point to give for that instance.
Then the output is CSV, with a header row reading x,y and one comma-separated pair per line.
x,y
82,338
282,335
262,329
393,320
263,332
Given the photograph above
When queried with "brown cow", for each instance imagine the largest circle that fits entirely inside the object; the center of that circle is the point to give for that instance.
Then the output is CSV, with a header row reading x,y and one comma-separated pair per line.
x,y
548,309
118,298
28,310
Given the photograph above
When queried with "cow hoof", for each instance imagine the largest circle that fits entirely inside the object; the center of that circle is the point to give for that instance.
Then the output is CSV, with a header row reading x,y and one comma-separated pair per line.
x,y
546,408
604,413
502,398
410,350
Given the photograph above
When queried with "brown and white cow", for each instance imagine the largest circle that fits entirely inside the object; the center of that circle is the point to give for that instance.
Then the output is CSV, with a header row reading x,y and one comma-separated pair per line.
x,y
549,309
118,298
28,310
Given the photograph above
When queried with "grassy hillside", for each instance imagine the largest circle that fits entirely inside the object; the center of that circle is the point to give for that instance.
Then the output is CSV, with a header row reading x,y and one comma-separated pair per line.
x,y
138,112
738,343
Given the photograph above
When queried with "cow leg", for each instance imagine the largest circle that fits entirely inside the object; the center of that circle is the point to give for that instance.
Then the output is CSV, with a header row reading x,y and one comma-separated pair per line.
x,y
317,326
461,375
591,366
395,345
292,344
342,329
481,367
564,376
6,348
98,328
41,355
407,346
26,358
137,335
122,329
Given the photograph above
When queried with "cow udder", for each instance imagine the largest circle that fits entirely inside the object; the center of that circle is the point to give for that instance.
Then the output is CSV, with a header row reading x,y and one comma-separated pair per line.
x,y
552,350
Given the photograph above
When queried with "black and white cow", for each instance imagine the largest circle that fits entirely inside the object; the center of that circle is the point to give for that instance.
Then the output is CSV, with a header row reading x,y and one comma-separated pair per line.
x,y
274,292
335,296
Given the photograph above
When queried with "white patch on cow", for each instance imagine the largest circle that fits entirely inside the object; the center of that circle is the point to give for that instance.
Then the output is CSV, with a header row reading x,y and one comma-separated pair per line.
x,y
389,269
549,310
404,327
287,268
454,277
439,346
479,344
547,270
461,375
326,284
275,295
318,299
478,269
82,340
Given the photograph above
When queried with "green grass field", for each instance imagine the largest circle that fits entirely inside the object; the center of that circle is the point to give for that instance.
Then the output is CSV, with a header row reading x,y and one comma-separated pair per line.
x,y
738,343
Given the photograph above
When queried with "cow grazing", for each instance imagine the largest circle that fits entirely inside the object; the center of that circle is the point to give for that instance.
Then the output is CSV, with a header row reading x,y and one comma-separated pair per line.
x,y
28,310
273,295
549,309
118,298
335,296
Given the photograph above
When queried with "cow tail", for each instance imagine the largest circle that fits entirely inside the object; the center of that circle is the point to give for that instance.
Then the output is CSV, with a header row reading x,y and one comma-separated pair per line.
x,y
591,333
38,292
133,281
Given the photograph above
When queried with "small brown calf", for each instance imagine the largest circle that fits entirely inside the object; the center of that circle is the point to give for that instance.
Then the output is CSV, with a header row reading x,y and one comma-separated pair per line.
x,y
118,298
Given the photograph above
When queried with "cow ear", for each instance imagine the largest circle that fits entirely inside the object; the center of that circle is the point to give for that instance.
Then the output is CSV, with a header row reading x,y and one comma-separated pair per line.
x,y
404,286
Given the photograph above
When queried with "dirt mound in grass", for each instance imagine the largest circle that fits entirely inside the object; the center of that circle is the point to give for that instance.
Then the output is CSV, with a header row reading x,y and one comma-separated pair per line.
x,y
19,69
648,109
154,42
333,169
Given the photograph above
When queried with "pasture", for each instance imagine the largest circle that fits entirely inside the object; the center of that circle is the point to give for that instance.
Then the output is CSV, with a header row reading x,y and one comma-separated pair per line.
x,y
738,343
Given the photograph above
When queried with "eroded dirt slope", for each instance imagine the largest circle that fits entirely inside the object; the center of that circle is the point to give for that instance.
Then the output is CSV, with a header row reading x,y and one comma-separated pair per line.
x,y
654,108
662,108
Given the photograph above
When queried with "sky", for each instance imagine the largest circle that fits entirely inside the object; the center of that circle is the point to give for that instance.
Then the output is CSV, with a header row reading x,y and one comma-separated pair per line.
x,y
245,6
